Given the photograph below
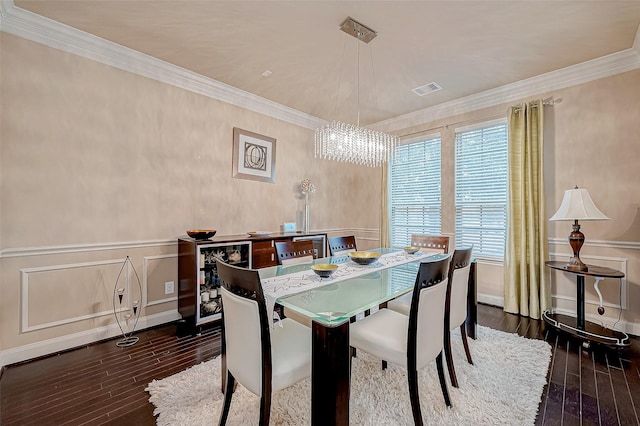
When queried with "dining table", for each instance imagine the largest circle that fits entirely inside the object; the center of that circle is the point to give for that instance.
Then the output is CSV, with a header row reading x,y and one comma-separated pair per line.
x,y
331,302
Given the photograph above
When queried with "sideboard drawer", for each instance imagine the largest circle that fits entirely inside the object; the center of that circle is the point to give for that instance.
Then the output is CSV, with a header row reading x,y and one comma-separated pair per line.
x,y
263,254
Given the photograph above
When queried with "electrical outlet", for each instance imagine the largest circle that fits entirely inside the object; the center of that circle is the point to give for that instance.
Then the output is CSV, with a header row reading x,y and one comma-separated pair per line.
x,y
168,287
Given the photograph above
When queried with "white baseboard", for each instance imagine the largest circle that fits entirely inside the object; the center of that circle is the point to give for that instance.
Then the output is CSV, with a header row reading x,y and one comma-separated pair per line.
x,y
491,300
50,346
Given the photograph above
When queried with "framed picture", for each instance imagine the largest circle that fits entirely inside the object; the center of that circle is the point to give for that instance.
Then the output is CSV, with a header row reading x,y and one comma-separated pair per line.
x,y
254,156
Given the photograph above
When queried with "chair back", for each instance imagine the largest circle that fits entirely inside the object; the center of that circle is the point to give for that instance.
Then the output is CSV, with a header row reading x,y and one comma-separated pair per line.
x,y
426,316
431,243
245,328
339,246
456,304
295,252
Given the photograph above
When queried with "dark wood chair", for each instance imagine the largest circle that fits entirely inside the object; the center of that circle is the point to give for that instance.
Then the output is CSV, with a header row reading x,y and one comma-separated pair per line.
x,y
290,253
414,340
435,243
294,252
339,246
262,358
456,306
427,243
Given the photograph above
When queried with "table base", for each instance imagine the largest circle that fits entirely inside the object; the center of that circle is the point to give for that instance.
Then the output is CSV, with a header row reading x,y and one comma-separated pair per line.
x,y
330,375
590,331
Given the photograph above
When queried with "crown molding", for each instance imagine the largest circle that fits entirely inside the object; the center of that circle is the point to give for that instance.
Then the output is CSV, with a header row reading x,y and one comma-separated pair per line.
x,y
31,26
28,25
605,66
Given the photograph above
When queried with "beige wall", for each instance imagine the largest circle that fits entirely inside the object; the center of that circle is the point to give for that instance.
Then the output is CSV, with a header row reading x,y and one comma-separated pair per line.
x,y
591,140
98,163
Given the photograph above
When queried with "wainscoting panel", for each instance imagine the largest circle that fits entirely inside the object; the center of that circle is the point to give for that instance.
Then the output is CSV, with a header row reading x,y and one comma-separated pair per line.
x,y
62,294
157,271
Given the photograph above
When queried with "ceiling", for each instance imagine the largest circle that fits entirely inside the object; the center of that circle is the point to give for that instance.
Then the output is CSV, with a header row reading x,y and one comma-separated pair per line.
x,y
466,47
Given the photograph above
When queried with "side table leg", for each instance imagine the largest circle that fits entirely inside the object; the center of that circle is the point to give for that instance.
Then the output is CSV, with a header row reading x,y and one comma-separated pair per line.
x,y
580,302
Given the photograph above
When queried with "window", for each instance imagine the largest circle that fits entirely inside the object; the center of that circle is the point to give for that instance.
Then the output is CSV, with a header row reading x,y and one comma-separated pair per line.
x,y
481,188
415,191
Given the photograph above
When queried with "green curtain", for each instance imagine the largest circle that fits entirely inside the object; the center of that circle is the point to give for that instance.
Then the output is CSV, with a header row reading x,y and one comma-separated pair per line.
x,y
385,236
526,285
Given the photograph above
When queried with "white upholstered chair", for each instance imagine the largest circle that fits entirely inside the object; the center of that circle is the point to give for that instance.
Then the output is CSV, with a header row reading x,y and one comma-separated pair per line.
x,y
455,306
264,359
411,341
427,243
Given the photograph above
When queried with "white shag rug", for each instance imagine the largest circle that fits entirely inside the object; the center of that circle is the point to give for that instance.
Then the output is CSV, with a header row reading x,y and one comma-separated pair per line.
x,y
503,387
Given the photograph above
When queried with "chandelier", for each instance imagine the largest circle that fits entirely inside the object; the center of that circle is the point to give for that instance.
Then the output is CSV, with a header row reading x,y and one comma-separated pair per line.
x,y
351,143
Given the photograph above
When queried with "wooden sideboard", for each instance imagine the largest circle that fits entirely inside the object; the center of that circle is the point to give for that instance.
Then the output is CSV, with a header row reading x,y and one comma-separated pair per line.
x,y
198,285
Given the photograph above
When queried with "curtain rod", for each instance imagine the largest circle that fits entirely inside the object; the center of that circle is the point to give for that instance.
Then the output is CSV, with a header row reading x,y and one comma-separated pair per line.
x,y
546,102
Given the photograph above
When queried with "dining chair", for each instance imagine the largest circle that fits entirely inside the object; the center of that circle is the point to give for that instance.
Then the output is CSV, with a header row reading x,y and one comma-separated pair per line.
x,y
431,243
295,252
340,246
411,341
290,253
263,358
456,306
427,243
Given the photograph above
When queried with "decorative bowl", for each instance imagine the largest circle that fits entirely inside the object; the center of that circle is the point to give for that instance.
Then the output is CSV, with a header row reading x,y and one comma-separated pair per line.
x,y
324,270
201,234
258,233
411,249
364,257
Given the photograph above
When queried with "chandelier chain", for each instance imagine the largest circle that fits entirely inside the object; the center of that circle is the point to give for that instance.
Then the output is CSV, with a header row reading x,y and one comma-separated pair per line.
x,y
351,143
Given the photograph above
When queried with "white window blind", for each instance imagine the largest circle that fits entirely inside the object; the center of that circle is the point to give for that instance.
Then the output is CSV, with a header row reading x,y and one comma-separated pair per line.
x,y
481,189
415,191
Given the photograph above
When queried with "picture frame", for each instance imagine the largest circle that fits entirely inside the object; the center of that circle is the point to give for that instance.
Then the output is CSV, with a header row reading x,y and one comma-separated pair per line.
x,y
254,156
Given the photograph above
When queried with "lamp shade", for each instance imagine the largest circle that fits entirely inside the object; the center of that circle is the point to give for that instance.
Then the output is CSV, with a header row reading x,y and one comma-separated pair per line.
x,y
578,205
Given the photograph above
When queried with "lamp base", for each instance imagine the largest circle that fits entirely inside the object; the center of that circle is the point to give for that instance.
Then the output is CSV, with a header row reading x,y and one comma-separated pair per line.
x,y
575,264
576,240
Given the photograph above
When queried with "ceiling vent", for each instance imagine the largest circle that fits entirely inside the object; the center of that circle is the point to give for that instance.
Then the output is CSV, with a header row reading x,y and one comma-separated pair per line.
x,y
426,89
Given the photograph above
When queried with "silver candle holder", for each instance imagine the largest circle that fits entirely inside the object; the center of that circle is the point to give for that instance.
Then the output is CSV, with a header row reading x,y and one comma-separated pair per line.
x,y
126,313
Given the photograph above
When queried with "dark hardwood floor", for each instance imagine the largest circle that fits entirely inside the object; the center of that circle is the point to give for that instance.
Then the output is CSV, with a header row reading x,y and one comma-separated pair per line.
x,y
104,384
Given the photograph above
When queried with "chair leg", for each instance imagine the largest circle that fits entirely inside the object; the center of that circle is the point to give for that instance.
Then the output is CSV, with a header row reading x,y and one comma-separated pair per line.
x,y
414,396
463,333
265,410
449,356
228,394
384,364
443,380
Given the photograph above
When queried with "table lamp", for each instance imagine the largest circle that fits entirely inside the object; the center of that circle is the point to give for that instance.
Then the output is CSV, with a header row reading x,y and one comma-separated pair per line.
x,y
577,205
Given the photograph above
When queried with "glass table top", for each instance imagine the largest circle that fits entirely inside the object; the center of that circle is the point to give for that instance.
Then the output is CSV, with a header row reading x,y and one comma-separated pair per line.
x,y
334,303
